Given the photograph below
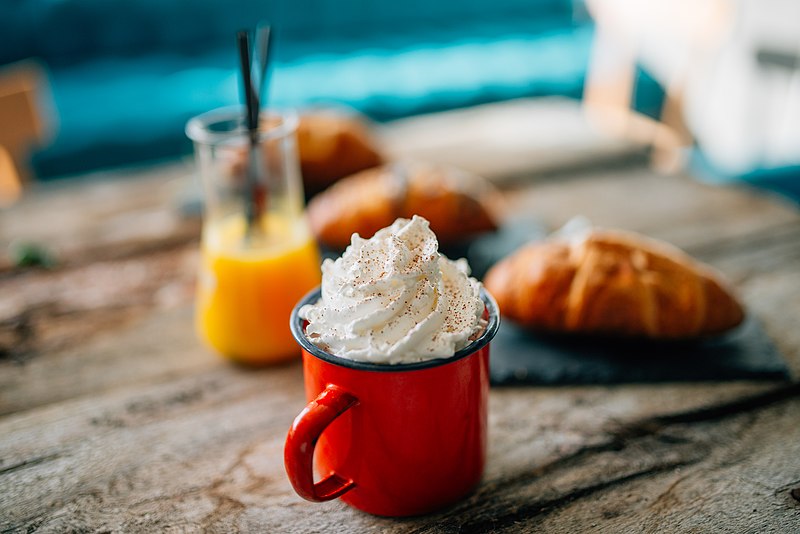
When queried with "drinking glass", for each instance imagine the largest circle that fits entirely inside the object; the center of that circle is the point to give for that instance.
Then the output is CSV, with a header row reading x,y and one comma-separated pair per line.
x,y
258,254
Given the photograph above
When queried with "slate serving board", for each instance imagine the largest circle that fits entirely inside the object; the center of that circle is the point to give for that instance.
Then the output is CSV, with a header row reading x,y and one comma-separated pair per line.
x,y
520,357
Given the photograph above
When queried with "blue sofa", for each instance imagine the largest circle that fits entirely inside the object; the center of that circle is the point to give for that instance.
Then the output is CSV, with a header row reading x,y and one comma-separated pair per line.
x,y
127,74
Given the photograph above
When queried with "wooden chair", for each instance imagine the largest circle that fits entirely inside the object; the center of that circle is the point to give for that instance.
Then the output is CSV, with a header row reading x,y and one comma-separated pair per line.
x,y
22,125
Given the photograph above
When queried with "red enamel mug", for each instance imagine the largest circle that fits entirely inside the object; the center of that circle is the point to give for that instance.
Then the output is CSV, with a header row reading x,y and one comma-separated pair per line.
x,y
391,440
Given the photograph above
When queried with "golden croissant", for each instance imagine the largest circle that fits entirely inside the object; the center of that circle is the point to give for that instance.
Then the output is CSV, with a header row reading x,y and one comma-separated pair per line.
x,y
455,203
334,145
612,283
330,146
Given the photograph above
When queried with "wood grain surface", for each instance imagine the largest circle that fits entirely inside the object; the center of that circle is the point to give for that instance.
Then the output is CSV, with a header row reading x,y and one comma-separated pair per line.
x,y
114,417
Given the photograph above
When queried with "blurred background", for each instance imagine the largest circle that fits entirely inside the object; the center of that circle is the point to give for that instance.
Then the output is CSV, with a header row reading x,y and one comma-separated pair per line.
x,y
713,85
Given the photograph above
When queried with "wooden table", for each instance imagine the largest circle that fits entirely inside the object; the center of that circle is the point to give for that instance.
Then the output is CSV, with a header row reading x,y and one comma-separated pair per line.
x,y
114,418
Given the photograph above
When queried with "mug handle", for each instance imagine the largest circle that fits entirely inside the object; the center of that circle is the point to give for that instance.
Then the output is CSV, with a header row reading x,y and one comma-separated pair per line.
x,y
298,454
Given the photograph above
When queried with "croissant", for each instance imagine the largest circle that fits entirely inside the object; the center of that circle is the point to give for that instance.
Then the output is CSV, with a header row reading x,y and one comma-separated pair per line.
x,y
612,283
329,145
332,146
455,203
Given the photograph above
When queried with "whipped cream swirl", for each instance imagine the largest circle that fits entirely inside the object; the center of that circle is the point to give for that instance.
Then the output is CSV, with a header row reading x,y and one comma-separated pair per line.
x,y
394,299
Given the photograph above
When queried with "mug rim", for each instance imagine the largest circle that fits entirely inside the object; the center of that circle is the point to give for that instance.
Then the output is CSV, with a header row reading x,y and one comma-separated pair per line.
x,y
296,325
197,128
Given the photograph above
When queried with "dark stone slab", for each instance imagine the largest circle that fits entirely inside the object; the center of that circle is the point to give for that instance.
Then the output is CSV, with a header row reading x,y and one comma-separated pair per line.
x,y
521,357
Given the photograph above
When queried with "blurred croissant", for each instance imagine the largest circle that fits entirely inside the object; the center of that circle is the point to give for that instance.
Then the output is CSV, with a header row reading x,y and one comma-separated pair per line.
x,y
453,201
612,283
330,145
333,145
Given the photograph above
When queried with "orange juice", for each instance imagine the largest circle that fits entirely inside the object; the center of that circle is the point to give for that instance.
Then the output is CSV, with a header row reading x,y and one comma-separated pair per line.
x,y
249,285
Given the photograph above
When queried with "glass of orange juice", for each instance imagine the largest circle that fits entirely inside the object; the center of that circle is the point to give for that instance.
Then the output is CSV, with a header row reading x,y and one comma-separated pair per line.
x,y
258,255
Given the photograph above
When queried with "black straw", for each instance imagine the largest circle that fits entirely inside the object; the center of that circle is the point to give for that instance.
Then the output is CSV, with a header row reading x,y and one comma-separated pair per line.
x,y
250,96
251,117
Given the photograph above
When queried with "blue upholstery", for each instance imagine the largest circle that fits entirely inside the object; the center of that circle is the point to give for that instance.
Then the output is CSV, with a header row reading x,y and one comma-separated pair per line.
x,y
127,74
